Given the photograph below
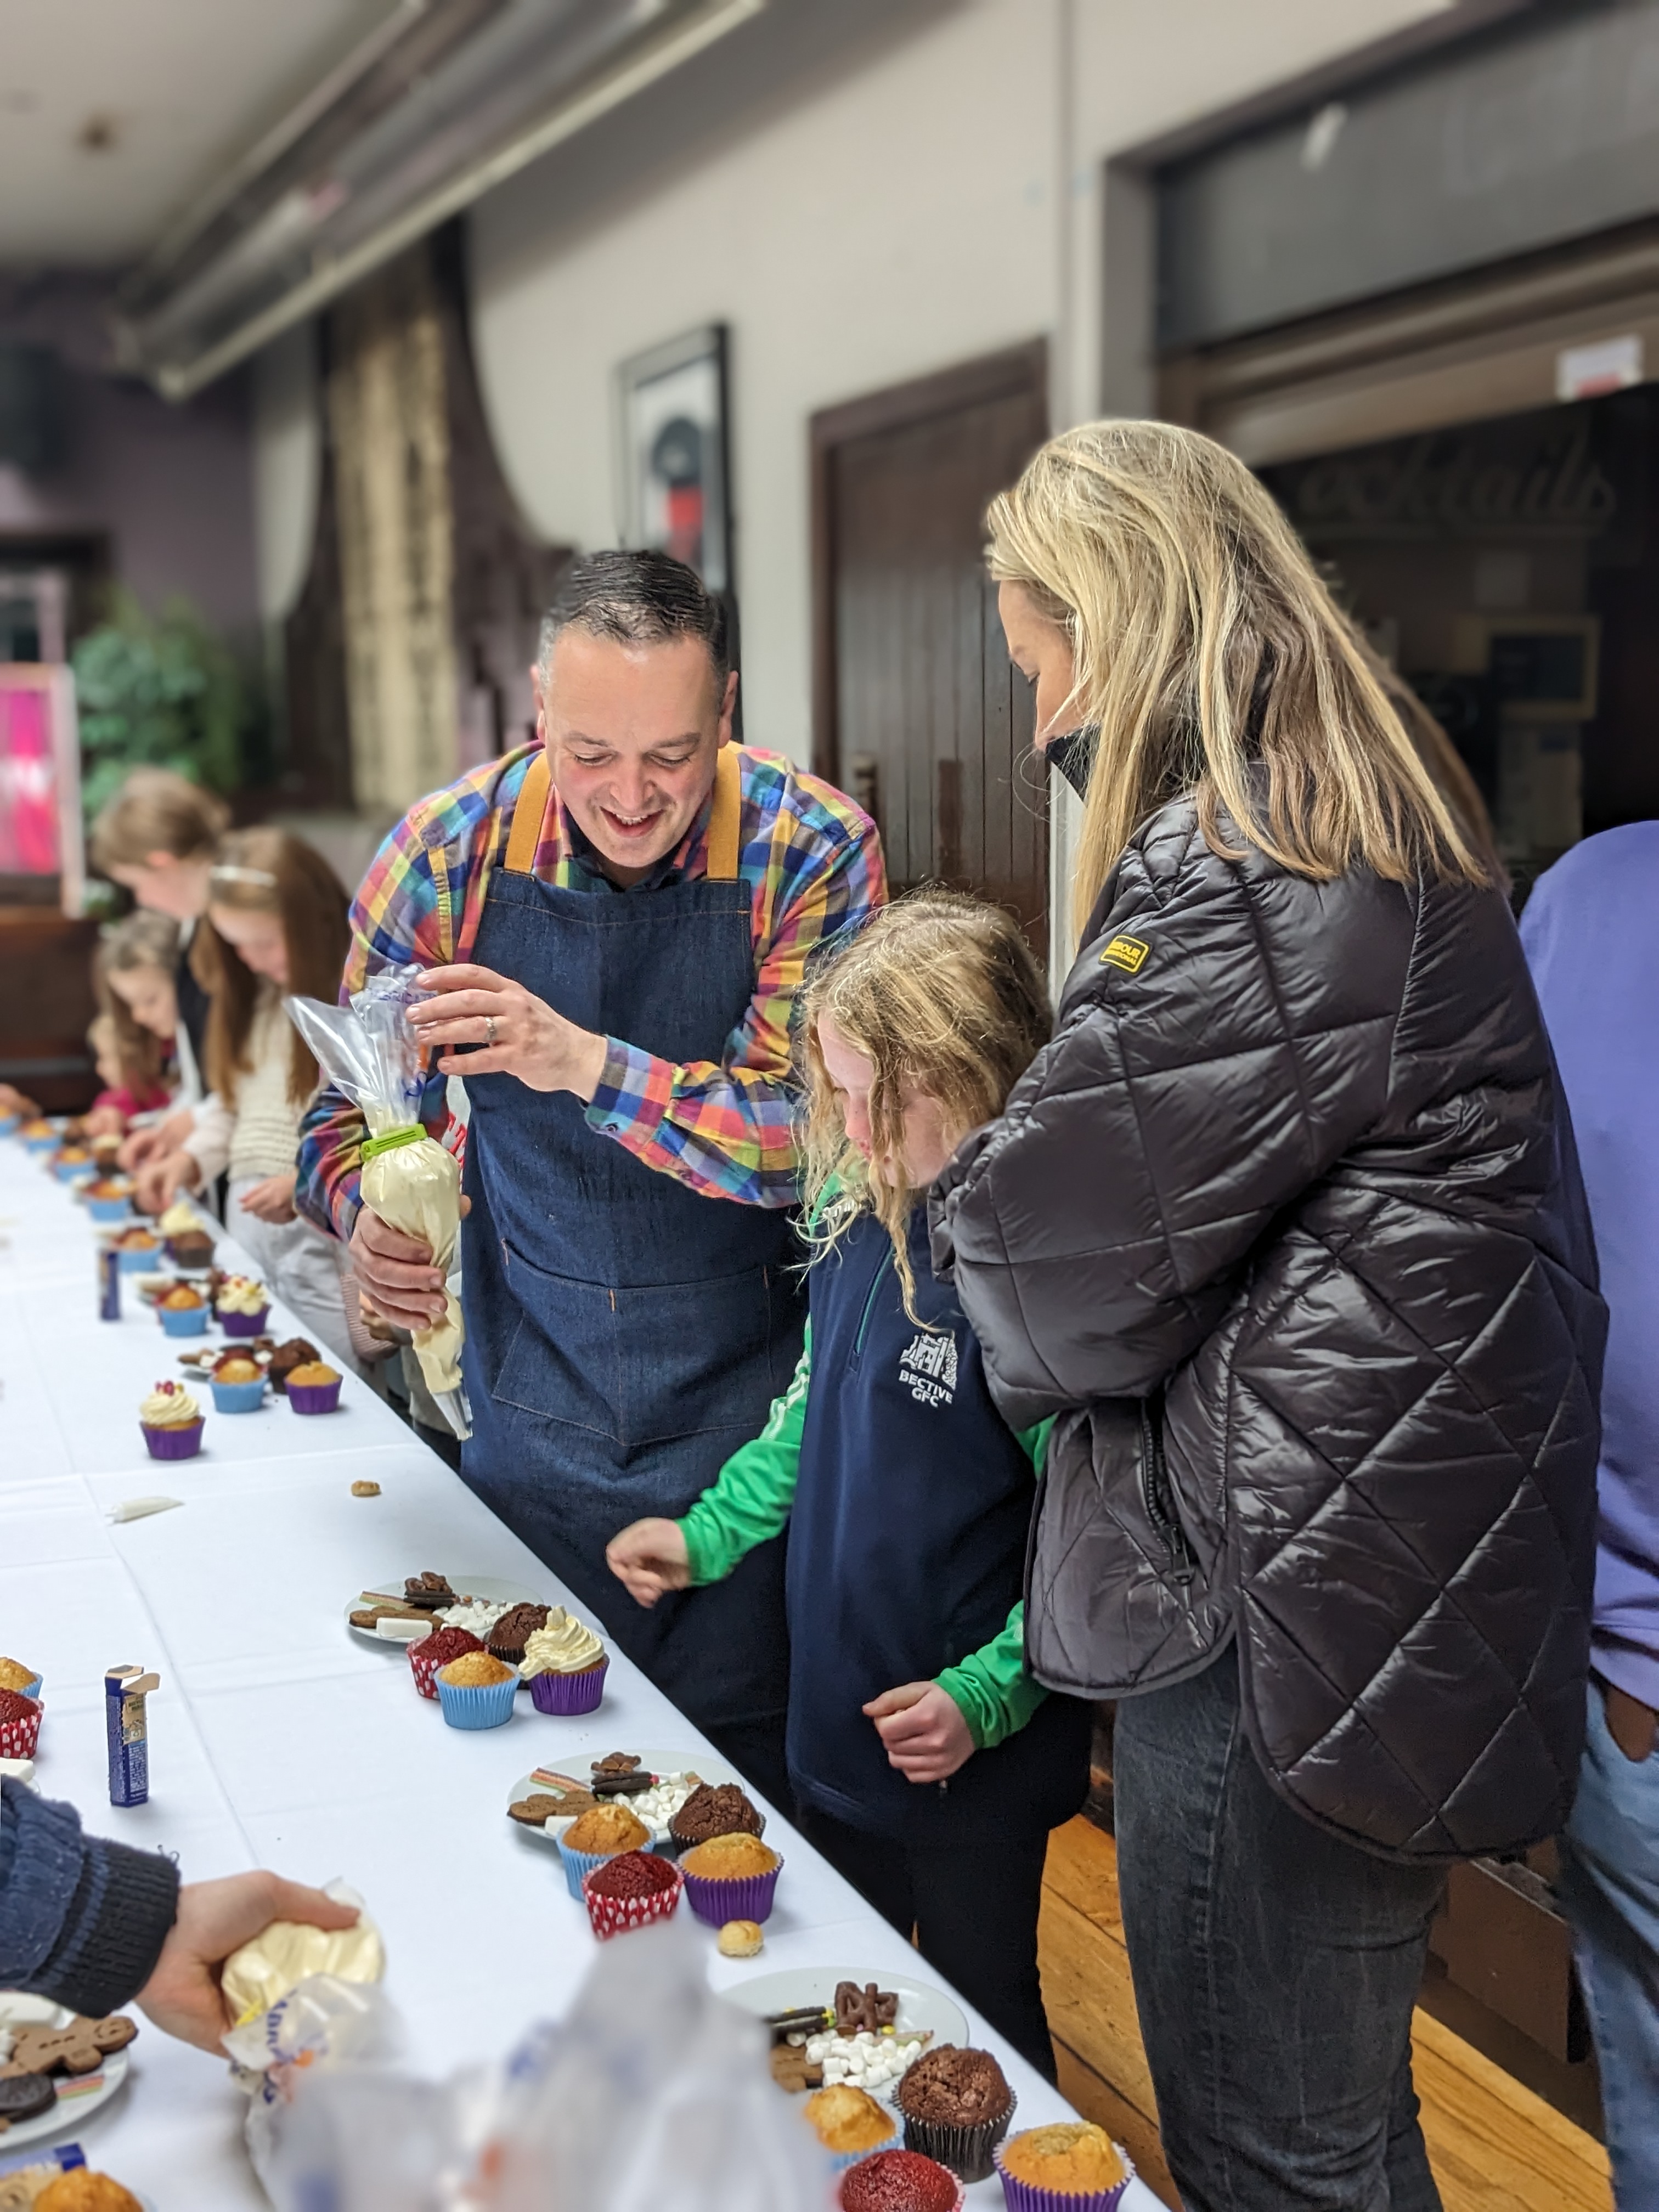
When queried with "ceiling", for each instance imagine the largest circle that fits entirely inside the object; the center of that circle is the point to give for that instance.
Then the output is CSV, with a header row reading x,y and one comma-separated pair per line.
x,y
114,114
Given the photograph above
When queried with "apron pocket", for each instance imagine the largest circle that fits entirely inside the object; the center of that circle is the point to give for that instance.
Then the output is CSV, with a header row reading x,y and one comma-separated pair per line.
x,y
563,1361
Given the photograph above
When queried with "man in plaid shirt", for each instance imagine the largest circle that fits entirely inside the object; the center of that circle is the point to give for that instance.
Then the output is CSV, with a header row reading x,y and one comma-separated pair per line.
x,y
615,924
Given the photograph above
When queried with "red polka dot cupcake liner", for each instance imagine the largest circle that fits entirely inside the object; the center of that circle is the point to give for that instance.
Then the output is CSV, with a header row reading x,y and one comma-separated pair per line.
x,y
18,1738
425,1668
616,1916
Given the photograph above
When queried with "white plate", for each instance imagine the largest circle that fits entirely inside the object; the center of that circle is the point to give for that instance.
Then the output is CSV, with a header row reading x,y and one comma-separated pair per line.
x,y
78,2095
465,1586
701,1764
922,2009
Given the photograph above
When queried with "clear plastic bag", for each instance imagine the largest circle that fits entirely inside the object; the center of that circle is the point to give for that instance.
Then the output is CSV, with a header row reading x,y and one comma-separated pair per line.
x,y
653,2095
368,1051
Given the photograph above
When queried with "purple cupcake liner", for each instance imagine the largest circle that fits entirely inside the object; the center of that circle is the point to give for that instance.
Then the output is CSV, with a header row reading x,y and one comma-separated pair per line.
x,y
566,1695
1025,2196
968,2152
184,1320
750,1898
241,1324
314,1397
183,1442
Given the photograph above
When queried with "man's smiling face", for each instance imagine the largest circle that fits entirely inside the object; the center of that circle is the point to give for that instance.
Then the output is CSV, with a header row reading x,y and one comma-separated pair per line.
x,y
632,733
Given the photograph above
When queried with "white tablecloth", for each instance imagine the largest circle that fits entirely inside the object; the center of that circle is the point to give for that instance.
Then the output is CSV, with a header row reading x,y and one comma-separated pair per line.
x,y
279,1739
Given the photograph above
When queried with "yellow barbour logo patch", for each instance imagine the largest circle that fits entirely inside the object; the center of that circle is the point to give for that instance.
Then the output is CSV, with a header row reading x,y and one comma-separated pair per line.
x,y
1125,952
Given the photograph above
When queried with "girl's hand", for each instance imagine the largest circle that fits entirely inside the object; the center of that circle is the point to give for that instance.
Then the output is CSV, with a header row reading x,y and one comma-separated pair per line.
x,y
106,1121
155,1186
649,1559
273,1200
921,1727
150,1143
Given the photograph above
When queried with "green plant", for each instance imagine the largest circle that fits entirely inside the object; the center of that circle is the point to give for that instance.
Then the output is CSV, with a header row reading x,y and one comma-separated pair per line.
x,y
157,691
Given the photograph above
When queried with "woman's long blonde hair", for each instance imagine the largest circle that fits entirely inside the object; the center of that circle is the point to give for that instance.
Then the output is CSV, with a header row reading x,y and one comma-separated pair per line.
x,y
940,993
269,872
1213,660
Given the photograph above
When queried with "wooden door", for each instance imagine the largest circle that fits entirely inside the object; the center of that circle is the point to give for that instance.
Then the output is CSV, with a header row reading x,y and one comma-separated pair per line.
x,y
919,712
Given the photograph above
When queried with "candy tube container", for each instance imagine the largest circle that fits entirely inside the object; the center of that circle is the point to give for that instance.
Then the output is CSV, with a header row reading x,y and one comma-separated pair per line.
x,y
109,1283
127,1729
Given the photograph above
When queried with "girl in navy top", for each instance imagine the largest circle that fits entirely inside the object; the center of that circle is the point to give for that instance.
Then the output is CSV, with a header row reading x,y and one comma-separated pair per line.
x,y
927,1763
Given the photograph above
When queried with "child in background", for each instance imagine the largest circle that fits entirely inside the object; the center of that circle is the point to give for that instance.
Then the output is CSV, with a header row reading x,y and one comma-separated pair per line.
x,y
134,1033
927,1765
275,922
156,837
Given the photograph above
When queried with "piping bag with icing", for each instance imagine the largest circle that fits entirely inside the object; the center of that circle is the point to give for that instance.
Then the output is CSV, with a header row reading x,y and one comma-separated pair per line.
x,y
368,1051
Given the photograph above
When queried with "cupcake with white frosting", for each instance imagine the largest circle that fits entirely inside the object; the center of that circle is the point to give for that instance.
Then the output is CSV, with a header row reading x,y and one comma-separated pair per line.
x,y
565,1664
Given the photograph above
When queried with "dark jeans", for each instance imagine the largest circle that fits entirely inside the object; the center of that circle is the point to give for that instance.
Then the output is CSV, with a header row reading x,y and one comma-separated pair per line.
x,y
973,1907
1275,1970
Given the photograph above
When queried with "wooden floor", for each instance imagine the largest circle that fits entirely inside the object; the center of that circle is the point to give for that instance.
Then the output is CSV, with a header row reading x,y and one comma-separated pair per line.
x,y
1495,2146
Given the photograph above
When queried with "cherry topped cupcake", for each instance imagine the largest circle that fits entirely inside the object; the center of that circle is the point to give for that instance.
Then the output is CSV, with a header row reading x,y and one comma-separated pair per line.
x,y
172,1422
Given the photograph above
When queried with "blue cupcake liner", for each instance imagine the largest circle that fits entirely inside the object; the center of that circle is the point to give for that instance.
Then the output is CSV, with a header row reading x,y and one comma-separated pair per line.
x,y
141,1263
9,1123
481,1705
238,1397
109,1212
32,1689
40,1143
578,1865
841,2159
184,1320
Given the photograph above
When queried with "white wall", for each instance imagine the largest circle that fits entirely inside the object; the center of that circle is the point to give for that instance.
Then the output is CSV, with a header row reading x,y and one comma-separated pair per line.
x,y
935,196
287,467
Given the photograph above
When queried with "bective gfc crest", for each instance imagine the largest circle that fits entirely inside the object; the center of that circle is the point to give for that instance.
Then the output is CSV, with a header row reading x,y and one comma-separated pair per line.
x,y
928,1365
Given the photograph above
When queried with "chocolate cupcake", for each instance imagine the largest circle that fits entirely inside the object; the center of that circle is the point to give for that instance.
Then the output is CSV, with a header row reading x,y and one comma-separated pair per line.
x,y
715,1809
296,1353
507,1639
956,2105
192,1248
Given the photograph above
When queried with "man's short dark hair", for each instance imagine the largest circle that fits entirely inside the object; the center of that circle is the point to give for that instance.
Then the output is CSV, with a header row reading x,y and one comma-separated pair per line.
x,y
637,598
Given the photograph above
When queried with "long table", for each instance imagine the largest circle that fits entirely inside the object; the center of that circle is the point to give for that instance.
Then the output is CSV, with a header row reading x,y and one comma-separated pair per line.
x,y
278,1738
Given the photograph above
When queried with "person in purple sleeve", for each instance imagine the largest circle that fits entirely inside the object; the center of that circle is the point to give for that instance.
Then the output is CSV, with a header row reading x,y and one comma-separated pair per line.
x,y
1591,934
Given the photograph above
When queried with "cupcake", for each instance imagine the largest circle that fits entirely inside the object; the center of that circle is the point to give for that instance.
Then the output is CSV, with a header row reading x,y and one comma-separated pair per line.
x,y
109,1200
20,1725
564,1663
314,1387
596,1835
237,1383
15,1675
137,1248
81,2189
734,1877
178,1220
476,1692
848,2122
298,1351
630,1890
955,2106
436,1648
192,1248
241,1305
1071,2167
715,1809
172,1422
183,1311
900,2181
73,1163
39,1136
506,1638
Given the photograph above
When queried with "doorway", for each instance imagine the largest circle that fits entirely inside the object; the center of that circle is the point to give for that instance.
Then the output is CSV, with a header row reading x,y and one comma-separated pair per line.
x,y
918,712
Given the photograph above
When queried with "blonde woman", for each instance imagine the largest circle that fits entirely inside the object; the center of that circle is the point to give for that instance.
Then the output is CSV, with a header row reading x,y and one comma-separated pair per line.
x,y
926,1763
1284,1228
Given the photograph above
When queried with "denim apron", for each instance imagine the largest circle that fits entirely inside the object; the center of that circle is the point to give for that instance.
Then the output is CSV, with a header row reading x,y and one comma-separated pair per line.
x,y
625,1335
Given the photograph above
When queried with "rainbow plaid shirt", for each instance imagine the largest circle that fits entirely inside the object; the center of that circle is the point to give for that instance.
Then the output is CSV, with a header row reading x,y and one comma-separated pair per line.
x,y
813,866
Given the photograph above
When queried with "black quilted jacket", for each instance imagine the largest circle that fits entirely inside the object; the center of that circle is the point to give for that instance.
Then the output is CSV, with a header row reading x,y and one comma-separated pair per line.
x,y
1286,1226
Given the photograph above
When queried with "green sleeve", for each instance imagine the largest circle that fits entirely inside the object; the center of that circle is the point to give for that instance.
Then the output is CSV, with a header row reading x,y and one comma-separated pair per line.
x,y
996,1695
750,1498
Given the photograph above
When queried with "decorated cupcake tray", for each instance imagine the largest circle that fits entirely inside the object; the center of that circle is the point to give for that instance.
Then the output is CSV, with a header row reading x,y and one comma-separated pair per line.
x,y
79,2095
924,2012
704,1765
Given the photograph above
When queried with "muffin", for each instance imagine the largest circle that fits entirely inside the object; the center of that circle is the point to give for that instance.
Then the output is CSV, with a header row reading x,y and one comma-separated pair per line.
x,y
20,1725
237,1383
15,1675
314,1387
848,2121
183,1311
731,1877
1070,2166
605,1829
182,1298
715,1809
564,1663
507,1639
190,1248
435,1650
600,1833
630,1890
900,2181
236,1367
83,2191
172,1422
956,2105
477,1691
296,1353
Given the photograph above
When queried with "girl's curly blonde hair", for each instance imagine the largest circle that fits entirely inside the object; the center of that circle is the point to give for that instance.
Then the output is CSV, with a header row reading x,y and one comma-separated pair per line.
x,y
940,993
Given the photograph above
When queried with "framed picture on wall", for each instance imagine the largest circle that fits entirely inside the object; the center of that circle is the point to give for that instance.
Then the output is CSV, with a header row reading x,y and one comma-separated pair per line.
x,y
673,482
41,856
